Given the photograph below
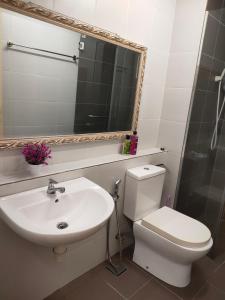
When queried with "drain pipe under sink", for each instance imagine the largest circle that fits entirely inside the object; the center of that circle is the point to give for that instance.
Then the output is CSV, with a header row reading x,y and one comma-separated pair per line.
x,y
59,252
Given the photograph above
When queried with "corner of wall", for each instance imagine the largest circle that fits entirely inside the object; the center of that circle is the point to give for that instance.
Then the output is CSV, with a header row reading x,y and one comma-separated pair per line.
x,y
185,43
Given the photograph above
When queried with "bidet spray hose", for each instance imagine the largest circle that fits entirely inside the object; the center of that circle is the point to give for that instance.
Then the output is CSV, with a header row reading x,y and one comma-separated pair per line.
x,y
115,197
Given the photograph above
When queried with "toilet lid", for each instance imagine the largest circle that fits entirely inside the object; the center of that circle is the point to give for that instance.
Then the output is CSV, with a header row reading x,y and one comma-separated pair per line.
x,y
177,227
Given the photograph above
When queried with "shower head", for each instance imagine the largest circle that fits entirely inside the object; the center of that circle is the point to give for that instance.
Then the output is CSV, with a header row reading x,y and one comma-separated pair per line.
x,y
221,77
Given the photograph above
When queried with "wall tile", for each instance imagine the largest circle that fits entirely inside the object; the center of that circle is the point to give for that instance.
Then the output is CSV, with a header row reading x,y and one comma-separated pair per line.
x,y
186,37
32,77
171,136
148,132
156,67
161,36
210,36
170,185
180,78
45,3
147,11
116,21
176,105
220,45
181,70
82,10
152,100
25,86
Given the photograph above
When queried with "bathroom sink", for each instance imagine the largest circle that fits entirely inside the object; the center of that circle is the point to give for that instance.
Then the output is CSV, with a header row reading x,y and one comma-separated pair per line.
x,y
61,218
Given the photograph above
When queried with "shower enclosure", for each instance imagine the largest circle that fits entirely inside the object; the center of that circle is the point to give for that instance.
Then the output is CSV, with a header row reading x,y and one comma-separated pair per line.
x,y
201,191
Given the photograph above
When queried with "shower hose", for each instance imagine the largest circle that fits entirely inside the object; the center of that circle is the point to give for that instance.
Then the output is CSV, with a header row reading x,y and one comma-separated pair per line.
x,y
218,109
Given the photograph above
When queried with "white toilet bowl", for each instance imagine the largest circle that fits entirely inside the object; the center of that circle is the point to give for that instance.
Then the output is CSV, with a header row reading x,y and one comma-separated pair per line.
x,y
166,256
166,241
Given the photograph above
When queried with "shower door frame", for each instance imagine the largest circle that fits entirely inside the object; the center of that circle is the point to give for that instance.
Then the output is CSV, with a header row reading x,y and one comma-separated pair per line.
x,y
217,226
190,109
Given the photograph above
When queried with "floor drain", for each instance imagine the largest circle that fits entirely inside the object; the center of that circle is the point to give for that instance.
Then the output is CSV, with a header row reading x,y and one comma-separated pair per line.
x,y
62,225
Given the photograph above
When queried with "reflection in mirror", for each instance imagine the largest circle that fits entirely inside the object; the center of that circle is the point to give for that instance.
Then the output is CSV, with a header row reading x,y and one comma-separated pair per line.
x,y
60,82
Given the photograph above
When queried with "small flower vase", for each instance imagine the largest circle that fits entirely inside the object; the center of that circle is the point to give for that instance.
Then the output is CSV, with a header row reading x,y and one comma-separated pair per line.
x,y
35,169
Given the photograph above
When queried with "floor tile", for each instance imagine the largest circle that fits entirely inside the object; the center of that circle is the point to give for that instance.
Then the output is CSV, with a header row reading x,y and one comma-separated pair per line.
x,y
201,270
137,284
220,259
58,295
217,278
154,291
209,292
128,282
219,247
92,288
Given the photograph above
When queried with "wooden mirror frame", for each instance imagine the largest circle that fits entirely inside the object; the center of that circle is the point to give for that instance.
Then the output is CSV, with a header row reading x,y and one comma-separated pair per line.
x,y
44,14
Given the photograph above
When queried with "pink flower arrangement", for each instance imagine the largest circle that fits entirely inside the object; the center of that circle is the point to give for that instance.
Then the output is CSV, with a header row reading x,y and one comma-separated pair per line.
x,y
36,154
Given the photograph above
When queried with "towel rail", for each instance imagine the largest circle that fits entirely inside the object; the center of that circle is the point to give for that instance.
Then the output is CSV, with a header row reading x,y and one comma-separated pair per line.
x,y
11,44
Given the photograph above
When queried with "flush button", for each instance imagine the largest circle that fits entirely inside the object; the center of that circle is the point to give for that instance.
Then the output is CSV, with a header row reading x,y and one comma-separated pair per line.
x,y
146,168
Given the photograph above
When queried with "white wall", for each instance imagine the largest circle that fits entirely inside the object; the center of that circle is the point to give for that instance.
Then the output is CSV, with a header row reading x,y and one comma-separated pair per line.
x,y
38,89
186,37
28,271
148,22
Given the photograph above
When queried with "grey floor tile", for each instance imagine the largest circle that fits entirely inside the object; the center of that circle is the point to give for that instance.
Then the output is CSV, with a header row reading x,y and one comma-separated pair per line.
x,y
217,278
154,291
137,284
128,282
209,292
93,288
201,271
58,295
219,260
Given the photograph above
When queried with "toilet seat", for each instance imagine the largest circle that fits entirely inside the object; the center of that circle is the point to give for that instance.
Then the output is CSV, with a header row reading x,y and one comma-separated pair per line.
x,y
177,227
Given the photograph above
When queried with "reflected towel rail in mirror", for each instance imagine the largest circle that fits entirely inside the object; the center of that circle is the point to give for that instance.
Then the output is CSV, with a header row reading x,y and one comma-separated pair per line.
x,y
94,116
10,45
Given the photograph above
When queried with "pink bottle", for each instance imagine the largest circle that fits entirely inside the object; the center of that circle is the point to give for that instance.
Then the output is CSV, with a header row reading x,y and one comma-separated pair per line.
x,y
133,143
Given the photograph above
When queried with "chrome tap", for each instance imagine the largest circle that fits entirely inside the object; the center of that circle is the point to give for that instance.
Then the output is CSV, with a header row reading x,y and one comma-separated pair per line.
x,y
52,189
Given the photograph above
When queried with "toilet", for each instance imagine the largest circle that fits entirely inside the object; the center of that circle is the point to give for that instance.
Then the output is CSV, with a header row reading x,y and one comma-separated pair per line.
x,y
167,242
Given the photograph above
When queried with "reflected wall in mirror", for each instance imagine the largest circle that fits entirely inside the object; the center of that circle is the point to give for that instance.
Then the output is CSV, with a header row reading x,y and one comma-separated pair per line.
x,y
107,79
57,81
39,88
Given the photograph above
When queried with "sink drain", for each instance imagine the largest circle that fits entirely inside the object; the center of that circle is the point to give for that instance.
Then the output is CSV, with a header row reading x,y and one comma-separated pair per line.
x,y
62,225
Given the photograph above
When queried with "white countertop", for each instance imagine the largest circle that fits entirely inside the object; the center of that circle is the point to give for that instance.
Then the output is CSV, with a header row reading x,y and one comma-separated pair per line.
x,y
74,165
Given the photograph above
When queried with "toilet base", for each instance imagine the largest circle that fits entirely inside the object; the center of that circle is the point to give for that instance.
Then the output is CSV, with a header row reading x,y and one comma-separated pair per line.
x,y
171,272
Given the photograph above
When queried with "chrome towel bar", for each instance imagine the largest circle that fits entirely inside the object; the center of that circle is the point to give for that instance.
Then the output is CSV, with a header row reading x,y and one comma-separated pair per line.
x,y
10,45
94,116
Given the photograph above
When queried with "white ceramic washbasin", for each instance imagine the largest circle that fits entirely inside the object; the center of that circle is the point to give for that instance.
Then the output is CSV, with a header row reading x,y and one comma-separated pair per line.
x,y
34,214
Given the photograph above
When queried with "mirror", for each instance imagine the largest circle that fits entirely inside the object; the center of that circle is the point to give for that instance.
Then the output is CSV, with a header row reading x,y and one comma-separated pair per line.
x,y
65,82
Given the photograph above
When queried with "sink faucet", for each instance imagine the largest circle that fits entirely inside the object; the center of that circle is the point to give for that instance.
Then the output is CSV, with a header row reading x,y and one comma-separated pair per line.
x,y
52,189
